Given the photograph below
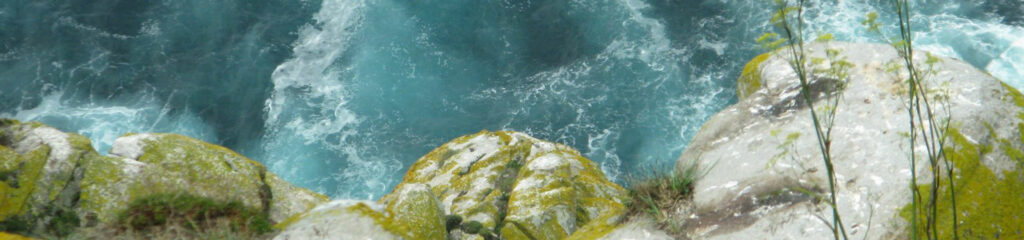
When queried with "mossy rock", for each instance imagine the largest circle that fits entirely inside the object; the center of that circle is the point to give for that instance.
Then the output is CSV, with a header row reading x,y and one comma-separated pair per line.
x,y
39,176
516,186
170,163
750,79
288,199
175,163
43,170
194,212
415,213
989,202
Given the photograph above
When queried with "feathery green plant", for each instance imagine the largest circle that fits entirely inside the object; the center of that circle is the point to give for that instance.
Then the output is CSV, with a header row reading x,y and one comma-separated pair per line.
x,y
788,19
923,125
658,193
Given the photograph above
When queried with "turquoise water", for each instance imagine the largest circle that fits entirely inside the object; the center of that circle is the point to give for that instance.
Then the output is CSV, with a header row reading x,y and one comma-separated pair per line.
x,y
342,96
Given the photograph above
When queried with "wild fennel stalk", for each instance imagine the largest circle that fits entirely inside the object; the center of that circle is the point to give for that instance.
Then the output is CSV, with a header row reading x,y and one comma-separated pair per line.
x,y
931,134
794,36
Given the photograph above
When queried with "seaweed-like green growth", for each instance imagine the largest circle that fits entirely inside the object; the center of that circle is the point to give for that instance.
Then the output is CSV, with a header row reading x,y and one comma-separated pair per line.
x,y
451,222
192,211
472,227
750,79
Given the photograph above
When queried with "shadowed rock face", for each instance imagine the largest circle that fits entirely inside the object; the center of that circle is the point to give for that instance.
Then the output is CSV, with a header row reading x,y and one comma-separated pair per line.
x,y
766,176
44,171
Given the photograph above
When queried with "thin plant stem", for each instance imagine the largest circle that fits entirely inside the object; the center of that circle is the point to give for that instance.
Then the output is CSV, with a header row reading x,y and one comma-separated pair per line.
x,y
933,137
798,65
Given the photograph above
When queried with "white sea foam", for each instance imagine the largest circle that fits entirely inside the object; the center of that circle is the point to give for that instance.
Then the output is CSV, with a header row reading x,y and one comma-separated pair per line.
x,y
104,121
1009,65
307,114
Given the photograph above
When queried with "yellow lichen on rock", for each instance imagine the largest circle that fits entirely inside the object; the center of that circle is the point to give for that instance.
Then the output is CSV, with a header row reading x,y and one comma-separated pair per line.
x,y
160,163
289,199
18,187
201,168
982,197
104,186
44,171
750,79
517,186
38,162
415,213
10,236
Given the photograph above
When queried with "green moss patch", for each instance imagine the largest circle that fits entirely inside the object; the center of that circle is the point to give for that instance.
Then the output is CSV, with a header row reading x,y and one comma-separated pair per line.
x,y
195,212
988,207
50,222
750,79
20,184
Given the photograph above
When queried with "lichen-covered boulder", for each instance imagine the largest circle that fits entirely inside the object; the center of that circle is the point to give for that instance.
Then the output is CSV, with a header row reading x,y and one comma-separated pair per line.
x,y
37,164
411,212
46,174
517,187
288,200
415,213
162,163
765,173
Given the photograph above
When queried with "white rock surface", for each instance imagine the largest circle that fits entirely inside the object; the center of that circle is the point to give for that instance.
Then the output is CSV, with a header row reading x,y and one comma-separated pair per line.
x,y
637,230
337,220
751,190
60,147
130,146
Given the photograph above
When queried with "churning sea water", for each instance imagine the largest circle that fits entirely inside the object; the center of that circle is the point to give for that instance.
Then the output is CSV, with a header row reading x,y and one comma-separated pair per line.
x,y
341,96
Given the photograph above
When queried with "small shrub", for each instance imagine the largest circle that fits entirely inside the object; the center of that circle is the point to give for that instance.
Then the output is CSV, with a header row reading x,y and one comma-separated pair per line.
x,y
472,227
658,194
194,212
451,222
20,224
7,121
63,223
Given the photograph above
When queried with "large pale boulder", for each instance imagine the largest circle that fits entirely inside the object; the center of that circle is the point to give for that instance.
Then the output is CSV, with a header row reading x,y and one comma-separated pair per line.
x,y
766,178
160,163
